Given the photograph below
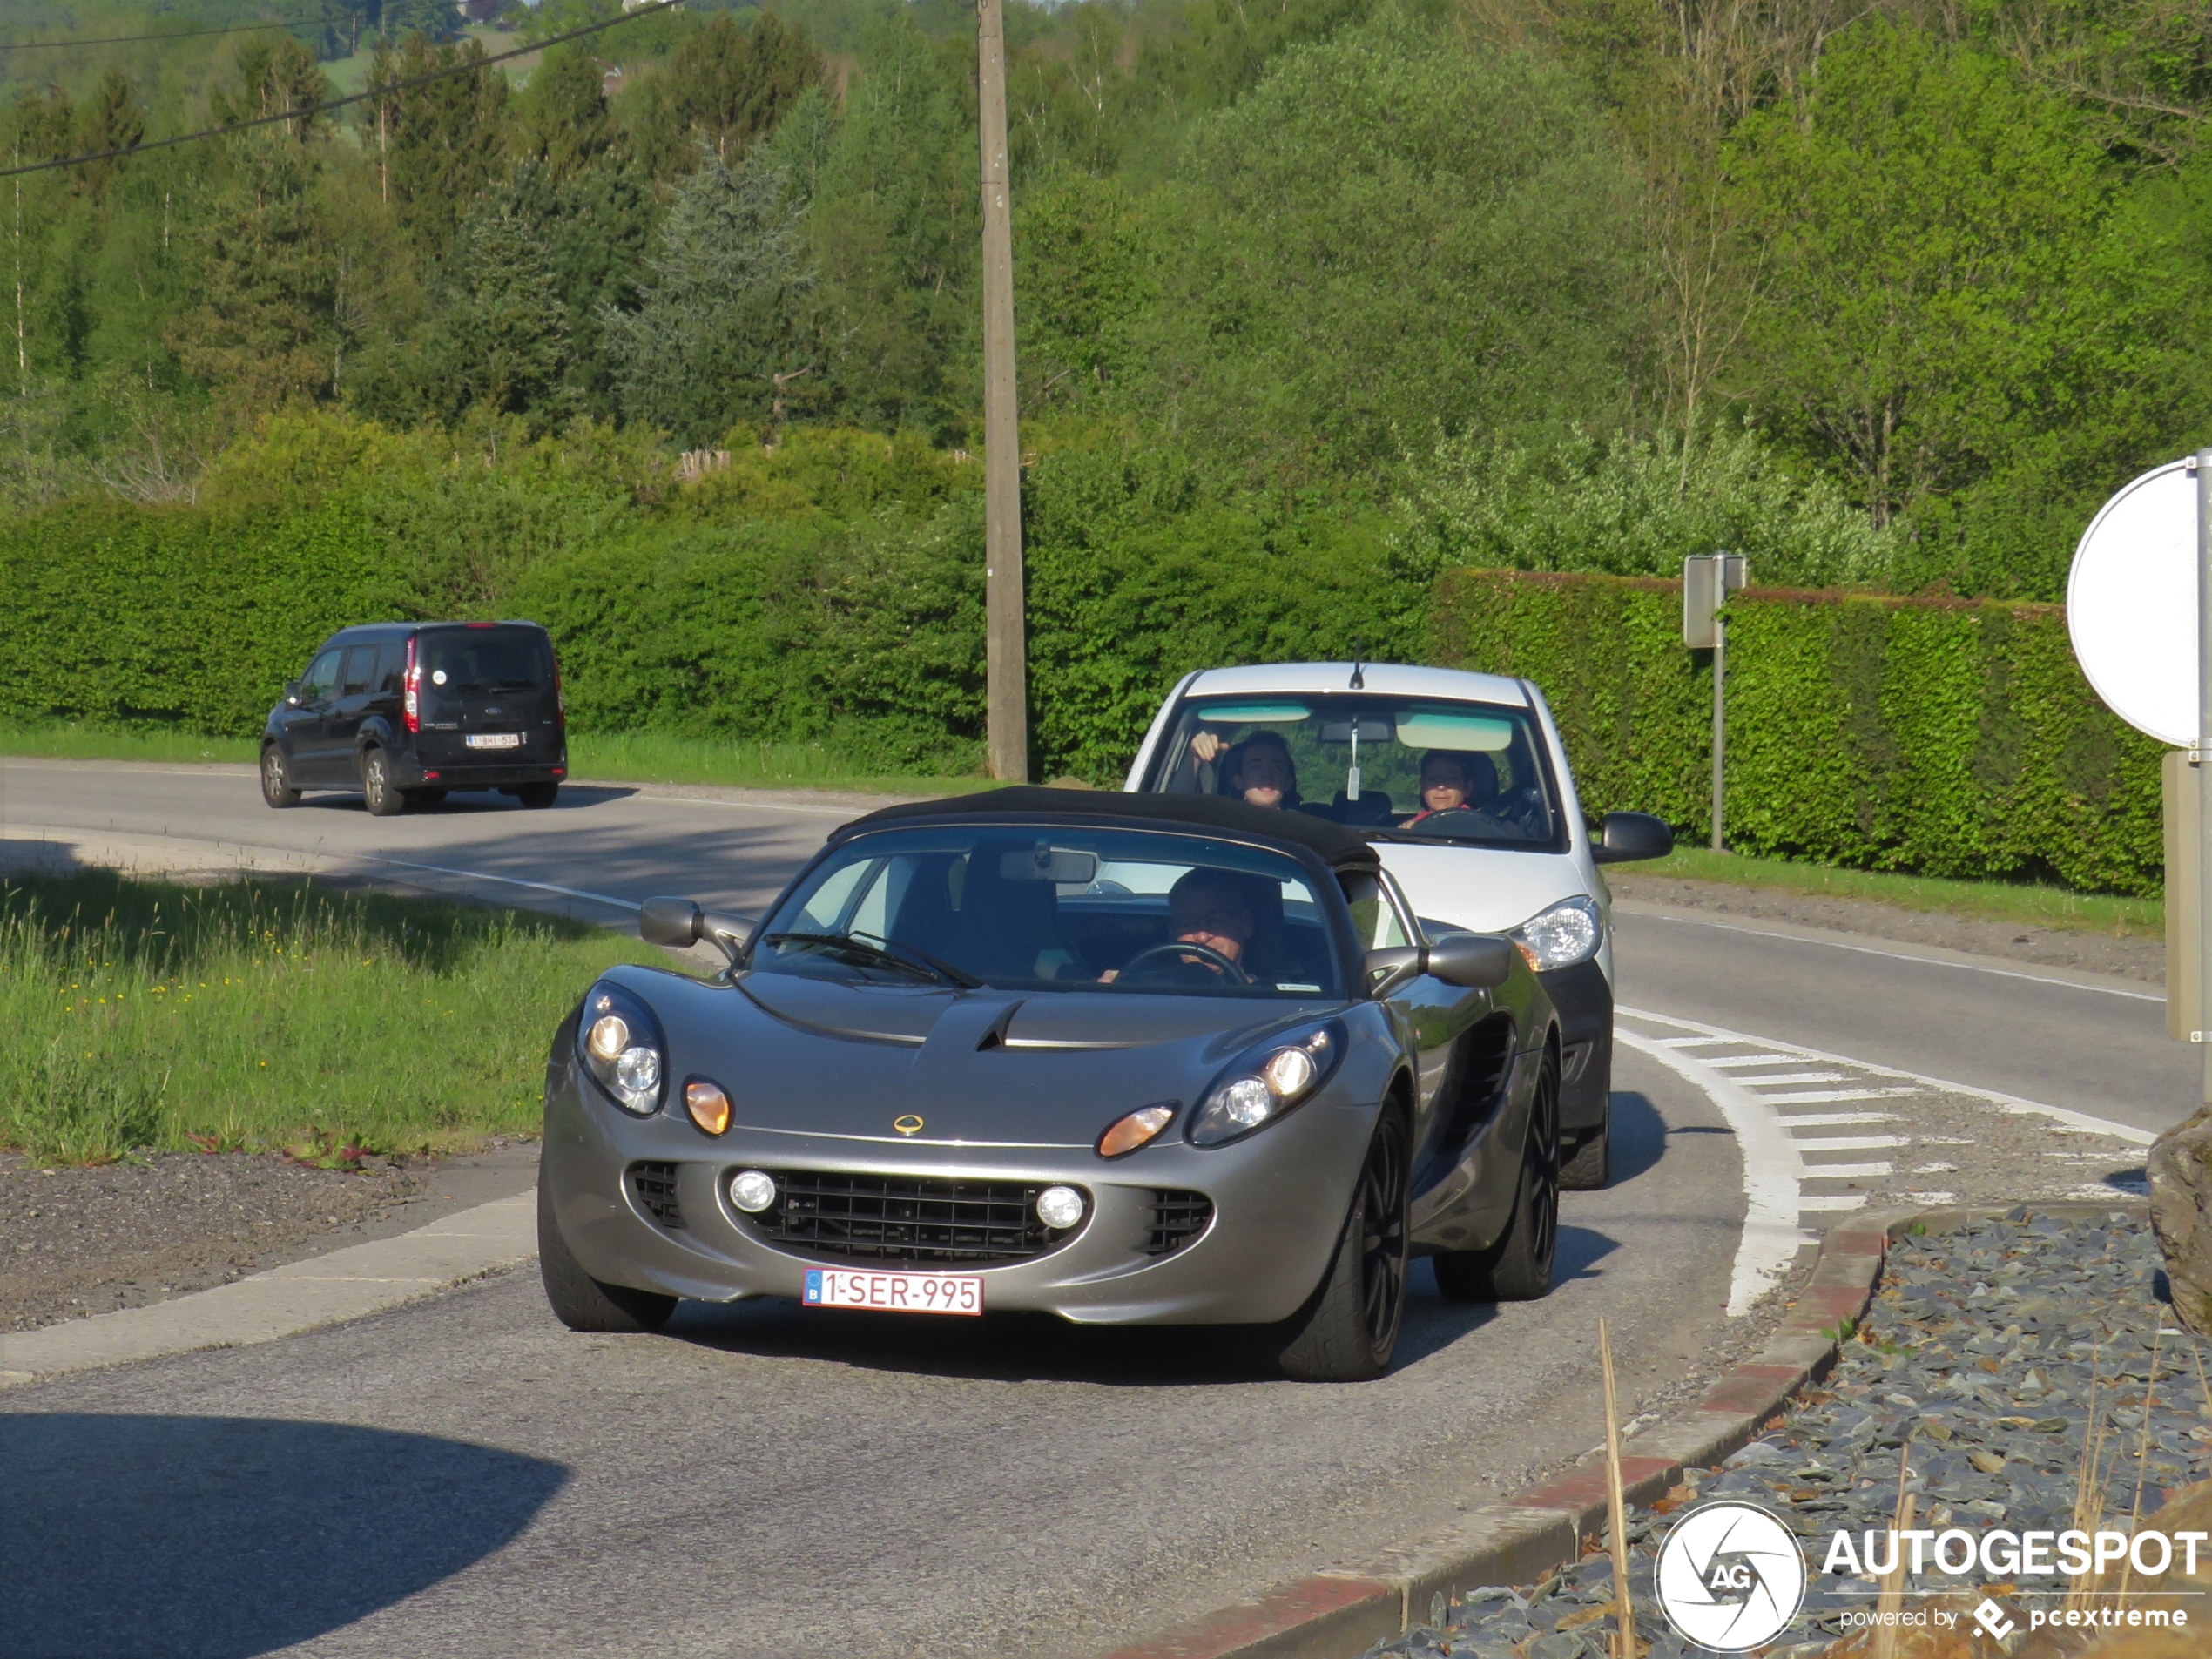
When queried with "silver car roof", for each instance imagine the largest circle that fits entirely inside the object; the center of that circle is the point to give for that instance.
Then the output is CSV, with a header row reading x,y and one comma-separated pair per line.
x,y
1385,679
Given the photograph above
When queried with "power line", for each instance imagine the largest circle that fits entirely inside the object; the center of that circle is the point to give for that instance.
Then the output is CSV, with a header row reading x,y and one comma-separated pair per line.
x,y
385,90
175,34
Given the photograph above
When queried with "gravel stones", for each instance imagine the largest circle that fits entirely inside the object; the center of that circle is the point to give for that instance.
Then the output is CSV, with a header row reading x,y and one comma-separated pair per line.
x,y
2180,1168
1986,1356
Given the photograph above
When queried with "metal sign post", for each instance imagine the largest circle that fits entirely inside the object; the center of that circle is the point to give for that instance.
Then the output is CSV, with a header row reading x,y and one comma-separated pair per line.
x,y
1006,649
1707,580
2202,758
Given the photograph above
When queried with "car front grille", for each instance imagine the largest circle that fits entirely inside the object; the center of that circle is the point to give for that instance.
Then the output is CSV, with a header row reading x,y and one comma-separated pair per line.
x,y
1177,1218
655,1185
904,1218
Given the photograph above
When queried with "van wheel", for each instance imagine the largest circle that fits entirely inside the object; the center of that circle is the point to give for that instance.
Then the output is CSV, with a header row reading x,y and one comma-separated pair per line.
x,y
538,797
1349,1329
581,1302
383,797
1518,1268
276,779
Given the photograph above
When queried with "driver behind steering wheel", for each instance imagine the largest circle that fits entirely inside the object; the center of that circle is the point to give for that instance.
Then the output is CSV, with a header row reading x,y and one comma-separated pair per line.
x,y
1207,908
1452,782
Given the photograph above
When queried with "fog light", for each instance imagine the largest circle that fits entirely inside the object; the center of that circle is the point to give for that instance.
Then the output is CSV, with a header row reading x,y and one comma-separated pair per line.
x,y
752,1191
708,1105
1060,1208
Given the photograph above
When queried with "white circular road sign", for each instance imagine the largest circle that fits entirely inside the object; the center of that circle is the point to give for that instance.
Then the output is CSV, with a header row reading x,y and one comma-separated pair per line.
x,y
2131,603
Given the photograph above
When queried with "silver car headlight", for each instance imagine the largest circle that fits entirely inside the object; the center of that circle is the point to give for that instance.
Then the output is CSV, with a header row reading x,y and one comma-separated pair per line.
x,y
1569,931
1266,1082
621,1046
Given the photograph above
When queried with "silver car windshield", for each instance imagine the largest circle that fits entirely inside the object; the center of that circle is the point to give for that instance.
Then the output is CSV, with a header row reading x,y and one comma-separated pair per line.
x,y
1055,909
1407,769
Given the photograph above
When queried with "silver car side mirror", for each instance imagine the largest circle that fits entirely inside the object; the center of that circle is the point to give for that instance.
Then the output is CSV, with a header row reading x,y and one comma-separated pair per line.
x,y
680,924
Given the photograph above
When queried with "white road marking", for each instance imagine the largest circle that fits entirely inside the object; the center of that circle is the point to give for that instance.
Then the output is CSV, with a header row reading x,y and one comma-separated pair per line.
x,y
1829,1096
1844,1171
1835,1120
2082,1121
1797,1078
1771,1169
506,880
1848,1142
1898,956
1729,1061
1832,1203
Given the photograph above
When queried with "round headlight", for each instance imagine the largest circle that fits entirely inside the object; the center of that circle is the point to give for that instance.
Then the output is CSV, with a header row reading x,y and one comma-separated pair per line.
x,y
1246,1103
1060,1208
752,1191
637,1073
1566,934
1289,1073
610,1035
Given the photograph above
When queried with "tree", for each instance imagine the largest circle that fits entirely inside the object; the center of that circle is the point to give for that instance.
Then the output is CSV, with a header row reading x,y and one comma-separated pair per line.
x,y
1941,288
500,343
727,87
109,120
721,335
445,141
561,118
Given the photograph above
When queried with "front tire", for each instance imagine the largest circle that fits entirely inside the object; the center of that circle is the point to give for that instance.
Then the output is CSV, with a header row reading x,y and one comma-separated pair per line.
x,y
1349,1328
581,1302
276,779
1518,1268
538,797
382,795
1590,1168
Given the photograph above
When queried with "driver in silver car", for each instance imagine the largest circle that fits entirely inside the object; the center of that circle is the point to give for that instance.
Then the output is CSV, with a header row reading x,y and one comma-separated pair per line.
x,y
1209,909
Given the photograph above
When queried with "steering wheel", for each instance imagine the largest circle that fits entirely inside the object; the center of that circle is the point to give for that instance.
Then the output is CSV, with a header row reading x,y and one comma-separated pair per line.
x,y
1207,955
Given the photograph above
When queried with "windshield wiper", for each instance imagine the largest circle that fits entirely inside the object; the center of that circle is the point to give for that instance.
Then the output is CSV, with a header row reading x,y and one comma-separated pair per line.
x,y
887,954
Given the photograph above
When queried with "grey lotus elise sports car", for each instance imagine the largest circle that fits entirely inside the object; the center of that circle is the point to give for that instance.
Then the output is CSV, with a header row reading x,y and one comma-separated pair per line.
x,y
1127,1059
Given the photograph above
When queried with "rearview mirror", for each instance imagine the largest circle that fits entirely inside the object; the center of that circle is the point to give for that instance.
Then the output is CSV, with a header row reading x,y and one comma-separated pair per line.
x,y
1047,863
680,924
1473,961
1629,836
292,692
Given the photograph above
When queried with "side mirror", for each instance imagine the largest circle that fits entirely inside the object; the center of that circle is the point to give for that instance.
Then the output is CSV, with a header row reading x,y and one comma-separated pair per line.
x,y
681,924
1473,961
292,693
1629,836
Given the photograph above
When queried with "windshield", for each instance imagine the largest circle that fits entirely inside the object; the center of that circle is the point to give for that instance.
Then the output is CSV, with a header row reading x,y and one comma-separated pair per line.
x,y
1413,769
486,659
1052,910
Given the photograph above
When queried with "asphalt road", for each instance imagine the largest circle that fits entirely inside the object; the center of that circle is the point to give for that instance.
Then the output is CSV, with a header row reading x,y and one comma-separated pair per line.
x,y
462,1476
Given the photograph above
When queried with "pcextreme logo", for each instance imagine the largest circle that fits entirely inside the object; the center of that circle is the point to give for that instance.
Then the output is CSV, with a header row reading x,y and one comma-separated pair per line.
x,y
1730,1577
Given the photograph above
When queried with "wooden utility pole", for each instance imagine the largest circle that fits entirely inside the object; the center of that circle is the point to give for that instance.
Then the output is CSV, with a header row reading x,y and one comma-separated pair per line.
x,y
1007,694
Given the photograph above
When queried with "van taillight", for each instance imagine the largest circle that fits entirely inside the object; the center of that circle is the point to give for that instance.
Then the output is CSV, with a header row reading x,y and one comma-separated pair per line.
x,y
560,697
413,702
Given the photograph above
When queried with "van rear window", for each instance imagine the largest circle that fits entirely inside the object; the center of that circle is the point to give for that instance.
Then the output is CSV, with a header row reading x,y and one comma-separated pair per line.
x,y
487,659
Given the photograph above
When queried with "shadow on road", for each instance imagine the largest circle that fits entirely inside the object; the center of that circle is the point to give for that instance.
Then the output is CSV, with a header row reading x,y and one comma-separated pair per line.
x,y
180,1537
463,802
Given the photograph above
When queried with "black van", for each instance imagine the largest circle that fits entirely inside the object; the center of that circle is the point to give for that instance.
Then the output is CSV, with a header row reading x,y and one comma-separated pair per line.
x,y
405,710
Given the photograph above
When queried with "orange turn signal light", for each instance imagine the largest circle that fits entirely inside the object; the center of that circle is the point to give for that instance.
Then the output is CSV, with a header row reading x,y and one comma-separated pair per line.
x,y
1133,1131
708,1105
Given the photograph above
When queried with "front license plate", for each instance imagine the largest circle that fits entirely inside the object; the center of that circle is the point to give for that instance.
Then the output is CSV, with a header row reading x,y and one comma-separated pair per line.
x,y
831,1287
495,739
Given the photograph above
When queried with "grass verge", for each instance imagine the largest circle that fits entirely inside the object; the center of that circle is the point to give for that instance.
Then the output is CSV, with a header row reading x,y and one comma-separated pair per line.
x,y
2025,904
633,758
275,1013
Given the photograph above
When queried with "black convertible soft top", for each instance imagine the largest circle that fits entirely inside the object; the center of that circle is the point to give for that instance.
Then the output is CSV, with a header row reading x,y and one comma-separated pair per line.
x,y
1336,846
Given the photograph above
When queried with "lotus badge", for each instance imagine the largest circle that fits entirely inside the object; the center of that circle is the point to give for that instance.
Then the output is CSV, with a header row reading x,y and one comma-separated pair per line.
x,y
908,1125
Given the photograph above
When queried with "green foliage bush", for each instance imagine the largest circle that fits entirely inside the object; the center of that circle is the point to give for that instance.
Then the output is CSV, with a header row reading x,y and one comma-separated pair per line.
x,y
1952,737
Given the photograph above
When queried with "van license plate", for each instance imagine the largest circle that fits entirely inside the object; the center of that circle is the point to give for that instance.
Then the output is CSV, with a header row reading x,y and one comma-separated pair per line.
x,y
495,739
829,1287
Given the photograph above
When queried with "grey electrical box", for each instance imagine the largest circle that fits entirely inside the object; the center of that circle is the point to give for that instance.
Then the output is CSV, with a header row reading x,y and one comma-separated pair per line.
x,y
1707,580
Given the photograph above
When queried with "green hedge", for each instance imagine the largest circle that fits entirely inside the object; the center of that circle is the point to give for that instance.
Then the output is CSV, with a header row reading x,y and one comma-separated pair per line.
x,y
1951,738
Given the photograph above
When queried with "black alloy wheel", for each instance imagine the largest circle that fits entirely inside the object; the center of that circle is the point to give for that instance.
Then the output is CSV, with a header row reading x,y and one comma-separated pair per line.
x,y
1348,1329
1382,1234
382,795
276,779
1518,1268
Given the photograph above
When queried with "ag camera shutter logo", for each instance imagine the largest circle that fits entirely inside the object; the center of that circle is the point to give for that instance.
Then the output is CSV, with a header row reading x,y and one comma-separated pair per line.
x,y
1730,1577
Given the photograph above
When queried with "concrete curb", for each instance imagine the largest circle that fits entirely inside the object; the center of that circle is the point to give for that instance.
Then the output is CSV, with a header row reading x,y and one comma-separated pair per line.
x,y
283,1301
1336,1614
